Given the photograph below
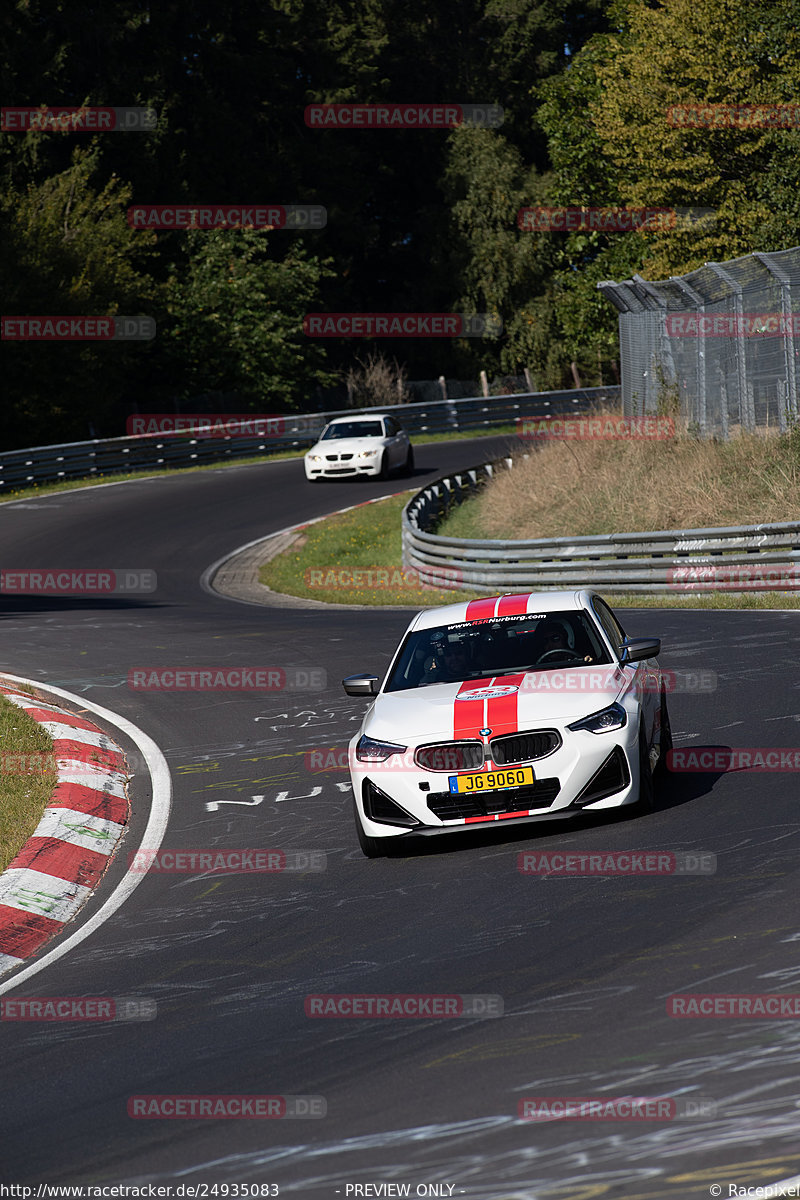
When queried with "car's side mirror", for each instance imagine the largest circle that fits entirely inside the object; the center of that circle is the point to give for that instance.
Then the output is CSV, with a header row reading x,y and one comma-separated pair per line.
x,y
361,685
635,649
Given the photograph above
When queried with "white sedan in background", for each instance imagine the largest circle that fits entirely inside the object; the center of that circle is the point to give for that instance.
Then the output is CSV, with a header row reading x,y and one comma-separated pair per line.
x,y
350,446
515,709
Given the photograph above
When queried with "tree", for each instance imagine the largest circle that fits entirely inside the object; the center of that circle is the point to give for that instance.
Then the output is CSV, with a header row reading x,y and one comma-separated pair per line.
x,y
67,250
701,52
497,268
235,319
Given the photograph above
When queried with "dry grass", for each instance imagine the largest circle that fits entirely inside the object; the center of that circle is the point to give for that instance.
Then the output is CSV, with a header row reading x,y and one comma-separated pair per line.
x,y
573,488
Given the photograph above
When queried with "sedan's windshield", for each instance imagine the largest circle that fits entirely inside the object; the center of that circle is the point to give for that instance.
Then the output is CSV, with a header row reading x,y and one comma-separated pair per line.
x,y
351,429
498,646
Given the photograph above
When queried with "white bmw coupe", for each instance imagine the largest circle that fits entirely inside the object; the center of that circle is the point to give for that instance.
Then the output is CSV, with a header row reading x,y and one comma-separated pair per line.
x,y
514,708
348,446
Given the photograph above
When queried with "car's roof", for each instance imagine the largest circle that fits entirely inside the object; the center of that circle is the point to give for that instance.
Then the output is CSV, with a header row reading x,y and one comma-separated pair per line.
x,y
512,603
358,417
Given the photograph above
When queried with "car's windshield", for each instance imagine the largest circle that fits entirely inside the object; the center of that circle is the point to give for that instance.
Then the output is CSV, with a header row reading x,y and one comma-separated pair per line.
x,y
497,646
349,429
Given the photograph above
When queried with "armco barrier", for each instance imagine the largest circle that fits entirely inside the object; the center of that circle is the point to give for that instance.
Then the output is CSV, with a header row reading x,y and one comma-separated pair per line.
x,y
147,452
666,561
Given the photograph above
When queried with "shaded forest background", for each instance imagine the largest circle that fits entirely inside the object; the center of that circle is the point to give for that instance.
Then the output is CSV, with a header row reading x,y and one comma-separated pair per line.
x,y
418,221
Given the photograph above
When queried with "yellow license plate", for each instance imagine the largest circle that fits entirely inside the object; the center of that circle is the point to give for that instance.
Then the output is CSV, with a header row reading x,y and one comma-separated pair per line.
x,y
491,781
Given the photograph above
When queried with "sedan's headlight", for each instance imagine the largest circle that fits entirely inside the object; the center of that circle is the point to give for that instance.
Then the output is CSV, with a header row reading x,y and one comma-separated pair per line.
x,y
368,750
313,457
368,453
605,721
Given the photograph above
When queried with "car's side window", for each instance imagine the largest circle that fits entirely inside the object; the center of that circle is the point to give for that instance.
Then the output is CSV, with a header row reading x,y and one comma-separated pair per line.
x,y
611,626
392,427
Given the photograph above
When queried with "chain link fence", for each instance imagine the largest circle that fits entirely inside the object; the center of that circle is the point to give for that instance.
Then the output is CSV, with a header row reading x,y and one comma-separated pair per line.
x,y
725,339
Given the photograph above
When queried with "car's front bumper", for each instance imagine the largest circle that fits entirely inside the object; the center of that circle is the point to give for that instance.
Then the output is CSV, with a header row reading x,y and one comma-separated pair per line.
x,y
342,470
564,788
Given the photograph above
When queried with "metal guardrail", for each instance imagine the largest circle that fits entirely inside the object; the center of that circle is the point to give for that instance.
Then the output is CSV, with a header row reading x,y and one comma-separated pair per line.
x,y
735,558
145,452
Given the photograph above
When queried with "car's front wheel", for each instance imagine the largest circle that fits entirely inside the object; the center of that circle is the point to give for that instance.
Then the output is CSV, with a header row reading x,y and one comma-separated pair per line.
x,y
644,803
662,766
408,469
372,847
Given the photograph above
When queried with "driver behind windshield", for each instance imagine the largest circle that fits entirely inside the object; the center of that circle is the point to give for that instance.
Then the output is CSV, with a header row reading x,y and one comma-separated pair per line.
x,y
553,637
451,665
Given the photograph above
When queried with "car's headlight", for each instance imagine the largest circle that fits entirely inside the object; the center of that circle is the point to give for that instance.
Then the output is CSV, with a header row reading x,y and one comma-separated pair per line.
x,y
605,721
368,453
368,750
313,457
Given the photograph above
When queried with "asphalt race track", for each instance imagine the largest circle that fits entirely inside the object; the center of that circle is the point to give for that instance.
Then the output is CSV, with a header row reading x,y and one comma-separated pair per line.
x,y
584,965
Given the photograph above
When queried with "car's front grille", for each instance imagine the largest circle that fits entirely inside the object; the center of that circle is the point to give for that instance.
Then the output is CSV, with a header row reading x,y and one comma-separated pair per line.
x,y
345,457
450,756
332,457
524,747
450,806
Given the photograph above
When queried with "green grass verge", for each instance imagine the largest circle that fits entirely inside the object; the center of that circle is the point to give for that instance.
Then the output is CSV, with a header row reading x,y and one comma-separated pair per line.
x,y
68,485
27,777
368,538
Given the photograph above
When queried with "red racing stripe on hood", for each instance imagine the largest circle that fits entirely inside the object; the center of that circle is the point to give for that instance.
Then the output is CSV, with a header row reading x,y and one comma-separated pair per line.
x,y
502,715
468,714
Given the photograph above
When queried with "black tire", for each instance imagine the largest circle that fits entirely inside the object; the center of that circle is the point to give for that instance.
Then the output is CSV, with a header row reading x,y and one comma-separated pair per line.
x,y
371,847
384,471
408,469
644,803
662,767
